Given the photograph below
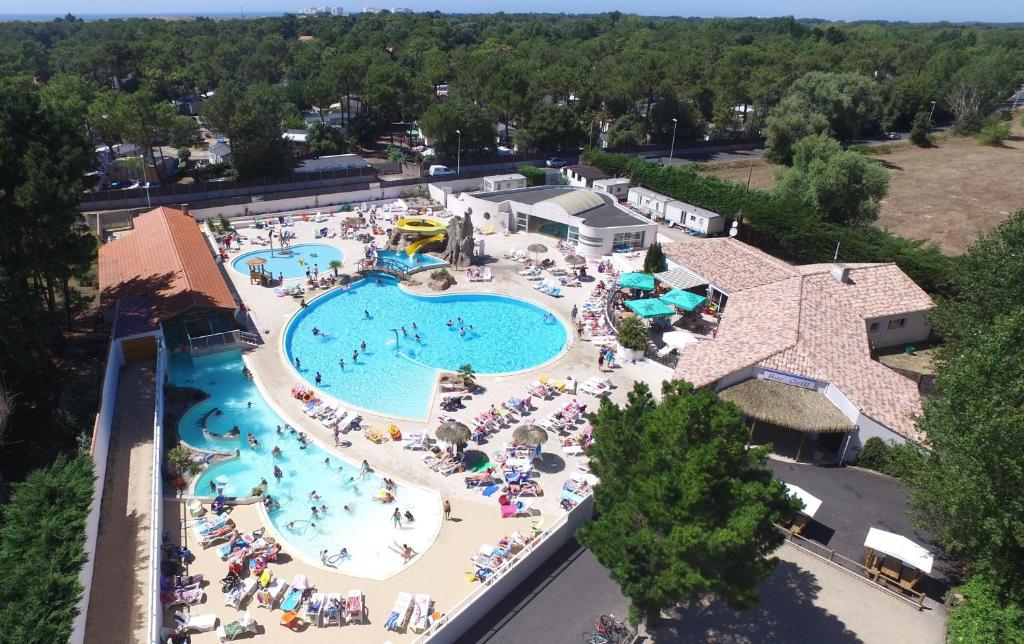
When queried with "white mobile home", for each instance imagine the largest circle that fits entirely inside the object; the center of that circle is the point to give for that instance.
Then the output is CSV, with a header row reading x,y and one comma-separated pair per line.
x,y
648,202
504,182
697,219
617,187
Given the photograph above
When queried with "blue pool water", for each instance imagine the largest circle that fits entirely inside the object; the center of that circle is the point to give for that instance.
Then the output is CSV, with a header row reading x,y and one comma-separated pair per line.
x,y
302,256
396,374
417,260
366,530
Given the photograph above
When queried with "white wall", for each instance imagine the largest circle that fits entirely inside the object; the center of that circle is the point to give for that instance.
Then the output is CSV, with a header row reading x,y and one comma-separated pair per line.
x,y
915,330
98,450
155,614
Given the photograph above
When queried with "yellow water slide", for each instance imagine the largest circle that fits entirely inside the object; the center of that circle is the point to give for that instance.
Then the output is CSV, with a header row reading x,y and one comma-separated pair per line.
x,y
420,225
413,247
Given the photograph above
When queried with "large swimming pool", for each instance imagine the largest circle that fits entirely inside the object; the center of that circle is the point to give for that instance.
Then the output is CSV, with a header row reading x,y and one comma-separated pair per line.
x,y
366,529
395,375
301,257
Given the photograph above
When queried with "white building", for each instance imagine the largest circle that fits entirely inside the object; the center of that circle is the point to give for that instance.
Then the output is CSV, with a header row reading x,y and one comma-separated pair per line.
x,y
697,219
594,221
648,202
813,328
504,182
617,187
582,176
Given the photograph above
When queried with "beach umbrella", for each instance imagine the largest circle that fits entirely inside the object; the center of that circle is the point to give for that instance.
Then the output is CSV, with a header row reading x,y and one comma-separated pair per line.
x,y
453,433
529,435
537,249
575,261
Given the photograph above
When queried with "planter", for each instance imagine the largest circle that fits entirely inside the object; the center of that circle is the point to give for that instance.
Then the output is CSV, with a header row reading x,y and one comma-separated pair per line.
x,y
629,355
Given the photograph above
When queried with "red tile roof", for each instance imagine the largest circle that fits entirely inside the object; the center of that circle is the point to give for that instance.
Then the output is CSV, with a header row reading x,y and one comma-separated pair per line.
x,y
166,257
798,319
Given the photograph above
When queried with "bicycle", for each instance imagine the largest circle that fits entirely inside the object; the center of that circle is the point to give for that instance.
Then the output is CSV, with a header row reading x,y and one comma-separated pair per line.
x,y
615,630
596,638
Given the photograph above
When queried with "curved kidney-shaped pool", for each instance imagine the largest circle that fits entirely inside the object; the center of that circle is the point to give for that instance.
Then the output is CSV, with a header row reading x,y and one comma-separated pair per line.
x,y
395,375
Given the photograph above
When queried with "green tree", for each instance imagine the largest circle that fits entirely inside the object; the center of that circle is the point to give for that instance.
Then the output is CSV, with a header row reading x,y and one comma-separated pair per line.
x,y
443,121
550,128
994,133
921,131
845,187
684,509
42,551
654,260
983,616
633,333
790,122
968,489
326,140
253,119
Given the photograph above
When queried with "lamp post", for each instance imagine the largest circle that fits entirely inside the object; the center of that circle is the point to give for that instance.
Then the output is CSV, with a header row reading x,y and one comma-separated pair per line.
x,y
458,168
672,150
931,113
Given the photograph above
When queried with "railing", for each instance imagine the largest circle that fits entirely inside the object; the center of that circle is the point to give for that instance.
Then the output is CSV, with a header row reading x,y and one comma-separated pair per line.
x,y
927,384
881,582
563,528
225,340
385,265
155,609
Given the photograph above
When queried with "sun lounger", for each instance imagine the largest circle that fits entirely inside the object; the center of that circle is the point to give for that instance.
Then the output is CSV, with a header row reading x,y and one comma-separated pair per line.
x,y
330,614
193,623
240,594
399,615
421,613
313,608
243,626
354,607
182,597
293,599
515,508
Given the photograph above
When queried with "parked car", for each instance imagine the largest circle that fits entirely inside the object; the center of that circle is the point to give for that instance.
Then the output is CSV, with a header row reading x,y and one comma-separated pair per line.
x,y
556,162
892,136
653,158
439,170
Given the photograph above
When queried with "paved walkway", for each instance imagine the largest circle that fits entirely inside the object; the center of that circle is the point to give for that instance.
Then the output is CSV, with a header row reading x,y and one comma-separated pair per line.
x,y
120,579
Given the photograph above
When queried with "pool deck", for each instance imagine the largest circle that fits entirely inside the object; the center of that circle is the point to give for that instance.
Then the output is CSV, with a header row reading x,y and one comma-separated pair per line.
x,y
440,571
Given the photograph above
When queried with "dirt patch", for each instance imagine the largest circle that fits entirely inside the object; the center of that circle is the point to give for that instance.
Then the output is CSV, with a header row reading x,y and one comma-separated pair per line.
x,y
949,194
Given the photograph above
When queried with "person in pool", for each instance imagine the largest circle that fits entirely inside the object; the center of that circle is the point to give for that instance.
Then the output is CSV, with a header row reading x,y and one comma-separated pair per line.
x,y
366,313
414,327
280,432
404,332
278,473
449,324
276,452
316,331
408,517
355,356
362,346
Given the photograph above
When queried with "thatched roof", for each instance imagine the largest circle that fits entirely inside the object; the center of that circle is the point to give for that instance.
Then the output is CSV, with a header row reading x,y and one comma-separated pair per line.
x,y
786,406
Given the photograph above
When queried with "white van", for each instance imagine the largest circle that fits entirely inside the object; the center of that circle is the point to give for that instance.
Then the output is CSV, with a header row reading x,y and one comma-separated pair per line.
x,y
439,170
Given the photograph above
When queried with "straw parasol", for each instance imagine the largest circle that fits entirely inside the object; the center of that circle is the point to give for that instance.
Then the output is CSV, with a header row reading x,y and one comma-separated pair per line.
x,y
453,433
529,435
575,261
537,249
255,261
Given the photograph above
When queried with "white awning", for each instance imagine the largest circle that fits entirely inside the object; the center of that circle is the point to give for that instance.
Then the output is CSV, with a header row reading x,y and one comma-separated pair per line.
x,y
678,339
811,502
681,278
900,547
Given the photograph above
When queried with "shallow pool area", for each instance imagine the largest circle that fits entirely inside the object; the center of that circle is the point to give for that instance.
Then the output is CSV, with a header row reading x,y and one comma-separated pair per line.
x,y
293,261
365,529
409,338
415,261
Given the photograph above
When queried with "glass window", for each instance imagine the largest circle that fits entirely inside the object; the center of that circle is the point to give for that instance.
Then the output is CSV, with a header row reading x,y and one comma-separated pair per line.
x,y
631,240
897,323
874,326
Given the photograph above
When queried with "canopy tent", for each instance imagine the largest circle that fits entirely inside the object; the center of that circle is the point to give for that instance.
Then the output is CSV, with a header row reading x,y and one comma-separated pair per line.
x,y
900,547
650,308
811,502
773,402
678,339
681,278
685,300
641,281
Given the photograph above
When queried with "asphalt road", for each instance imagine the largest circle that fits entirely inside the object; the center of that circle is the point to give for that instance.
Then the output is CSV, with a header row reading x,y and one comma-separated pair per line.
x,y
564,597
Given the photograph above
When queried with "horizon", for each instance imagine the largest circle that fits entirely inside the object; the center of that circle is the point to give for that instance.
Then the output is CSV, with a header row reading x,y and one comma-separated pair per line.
x,y
984,12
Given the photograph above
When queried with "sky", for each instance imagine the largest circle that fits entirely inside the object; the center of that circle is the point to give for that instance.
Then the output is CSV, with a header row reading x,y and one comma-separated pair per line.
x,y
909,10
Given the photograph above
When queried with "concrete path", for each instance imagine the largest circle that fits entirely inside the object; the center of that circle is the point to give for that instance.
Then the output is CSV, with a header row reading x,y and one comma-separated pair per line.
x,y
118,601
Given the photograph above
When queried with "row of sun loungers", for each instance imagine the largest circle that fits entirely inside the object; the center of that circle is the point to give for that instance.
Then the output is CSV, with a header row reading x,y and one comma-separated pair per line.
x,y
410,611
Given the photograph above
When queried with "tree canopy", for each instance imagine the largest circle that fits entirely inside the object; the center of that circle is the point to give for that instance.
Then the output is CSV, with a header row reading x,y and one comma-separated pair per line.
x,y
684,509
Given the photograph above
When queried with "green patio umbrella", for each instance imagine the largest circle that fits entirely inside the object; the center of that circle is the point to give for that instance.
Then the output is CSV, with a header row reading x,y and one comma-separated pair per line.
x,y
639,281
685,300
650,308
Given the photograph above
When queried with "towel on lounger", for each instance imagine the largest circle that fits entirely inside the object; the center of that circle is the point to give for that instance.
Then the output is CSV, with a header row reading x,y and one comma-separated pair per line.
x,y
491,489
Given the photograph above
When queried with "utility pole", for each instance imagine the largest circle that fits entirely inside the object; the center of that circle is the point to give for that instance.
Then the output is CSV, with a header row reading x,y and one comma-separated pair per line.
x,y
672,149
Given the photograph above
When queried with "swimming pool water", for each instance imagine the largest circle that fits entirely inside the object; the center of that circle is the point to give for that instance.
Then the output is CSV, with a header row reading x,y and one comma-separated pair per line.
x,y
395,375
416,261
302,256
366,531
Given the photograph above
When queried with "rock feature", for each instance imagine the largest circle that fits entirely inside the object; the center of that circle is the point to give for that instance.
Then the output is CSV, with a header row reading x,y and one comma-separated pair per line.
x,y
459,251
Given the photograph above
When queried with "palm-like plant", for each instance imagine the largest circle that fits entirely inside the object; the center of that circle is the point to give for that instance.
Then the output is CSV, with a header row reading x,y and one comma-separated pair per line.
x,y
335,264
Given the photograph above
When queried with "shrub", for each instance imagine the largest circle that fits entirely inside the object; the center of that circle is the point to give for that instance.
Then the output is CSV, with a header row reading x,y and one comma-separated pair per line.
x,y
921,129
440,274
898,460
873,454
534,176
633,333
981,616
654,260
180,457
466,372
225,223
994,133
42,550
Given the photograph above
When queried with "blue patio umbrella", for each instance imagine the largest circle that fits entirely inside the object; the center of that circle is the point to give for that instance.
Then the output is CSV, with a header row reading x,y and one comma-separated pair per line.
x,y
639,281
650,308
685,300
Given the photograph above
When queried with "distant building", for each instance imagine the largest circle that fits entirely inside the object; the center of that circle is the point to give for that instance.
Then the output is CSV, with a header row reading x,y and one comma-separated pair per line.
x,y
372,10
696,219
401,10
583,176
306,38
504,182
617,187
220,152
648,202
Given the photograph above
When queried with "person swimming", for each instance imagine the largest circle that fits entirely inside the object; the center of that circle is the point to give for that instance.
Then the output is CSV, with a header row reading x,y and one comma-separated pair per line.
x,y
408,517
278,473
449,324
414,327
404,332
316,331
366,313
313,495
362,346
276,452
